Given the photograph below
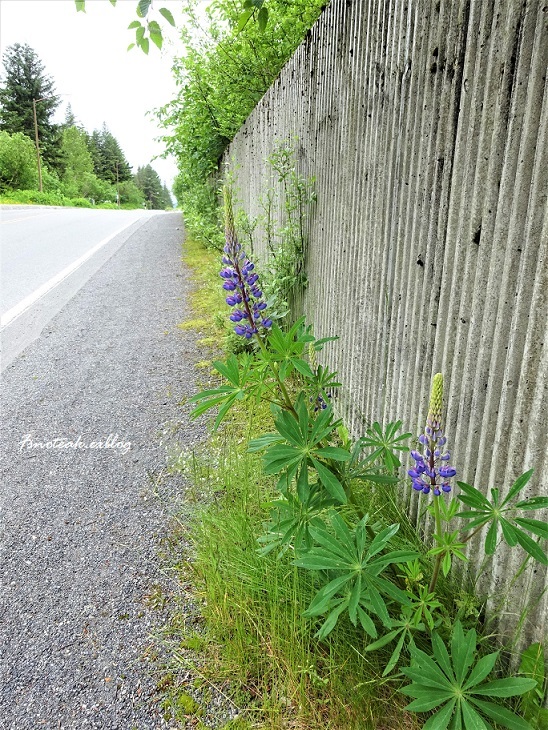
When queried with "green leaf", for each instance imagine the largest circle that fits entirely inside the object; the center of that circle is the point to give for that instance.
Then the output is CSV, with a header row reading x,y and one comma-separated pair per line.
x,y
303,490
441,719
531,547
442,656
533,503
474,494
537,527
301,365
501,715
132,45
113,2
379,541
508,687
463,651
157,39
395,656
471,719
143,6
262,442
481,670
385,639
425,704
331,621
518,486
80,6
491,538
262,18
139,35
167,15
508,532
336,454
134,24
330,482
367,624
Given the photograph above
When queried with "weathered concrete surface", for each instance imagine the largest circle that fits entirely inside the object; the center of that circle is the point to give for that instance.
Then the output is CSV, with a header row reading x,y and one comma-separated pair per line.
x,y
425,125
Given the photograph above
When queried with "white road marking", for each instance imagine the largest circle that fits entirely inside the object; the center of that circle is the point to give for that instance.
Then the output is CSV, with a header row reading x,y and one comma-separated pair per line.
x,y
27,302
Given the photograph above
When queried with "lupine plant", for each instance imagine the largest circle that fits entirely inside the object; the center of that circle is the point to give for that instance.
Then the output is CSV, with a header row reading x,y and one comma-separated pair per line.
x,y
455,680
317,519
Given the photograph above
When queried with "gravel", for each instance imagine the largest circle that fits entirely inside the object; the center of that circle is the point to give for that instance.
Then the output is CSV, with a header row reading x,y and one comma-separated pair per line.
x,y
79,528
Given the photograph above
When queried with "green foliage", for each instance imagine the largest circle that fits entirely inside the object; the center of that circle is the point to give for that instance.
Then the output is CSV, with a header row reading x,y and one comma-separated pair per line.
x,y
533,666
354,562
25,80
222,76
287,246
155,194
130,195
76,159
109,161
298,445
17,162
456,681
497,513
385,443
403,629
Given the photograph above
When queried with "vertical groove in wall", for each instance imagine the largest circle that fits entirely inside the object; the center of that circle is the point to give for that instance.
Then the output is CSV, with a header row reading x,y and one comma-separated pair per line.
x,y
425,124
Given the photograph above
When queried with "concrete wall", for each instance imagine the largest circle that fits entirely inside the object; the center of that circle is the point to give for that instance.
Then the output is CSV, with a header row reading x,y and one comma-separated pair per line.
x,y
425,125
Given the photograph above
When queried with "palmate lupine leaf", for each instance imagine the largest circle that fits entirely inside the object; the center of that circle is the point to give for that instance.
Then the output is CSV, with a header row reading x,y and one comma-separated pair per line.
x,y
454,683
243,381
385,443
300,446
291,519
497,514
404,629
354,565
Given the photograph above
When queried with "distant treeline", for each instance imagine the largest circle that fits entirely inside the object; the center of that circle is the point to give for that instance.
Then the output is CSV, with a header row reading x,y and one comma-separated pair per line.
x,y
73,166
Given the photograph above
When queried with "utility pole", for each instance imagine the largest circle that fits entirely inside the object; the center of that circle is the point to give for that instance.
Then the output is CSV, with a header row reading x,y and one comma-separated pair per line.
x,y
117,185
34,102
37,144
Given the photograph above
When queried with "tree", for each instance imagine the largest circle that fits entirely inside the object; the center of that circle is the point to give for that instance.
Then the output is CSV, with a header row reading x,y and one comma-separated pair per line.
x,y
131,195
77,160
167,199
148,181
17,162
109,161
25,80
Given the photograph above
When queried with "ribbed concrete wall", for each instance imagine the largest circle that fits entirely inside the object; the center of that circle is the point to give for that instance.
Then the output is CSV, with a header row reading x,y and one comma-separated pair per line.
x,y
425,125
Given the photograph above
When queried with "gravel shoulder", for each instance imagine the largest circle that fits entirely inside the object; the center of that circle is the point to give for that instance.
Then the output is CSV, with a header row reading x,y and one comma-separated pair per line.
x,y
79,529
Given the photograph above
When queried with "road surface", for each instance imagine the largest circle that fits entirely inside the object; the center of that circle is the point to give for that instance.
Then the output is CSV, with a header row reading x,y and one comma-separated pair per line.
x,y
79,529
47,254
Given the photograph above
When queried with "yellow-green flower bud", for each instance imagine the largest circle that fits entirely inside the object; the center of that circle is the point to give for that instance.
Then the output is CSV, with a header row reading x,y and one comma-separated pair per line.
x,y
436,403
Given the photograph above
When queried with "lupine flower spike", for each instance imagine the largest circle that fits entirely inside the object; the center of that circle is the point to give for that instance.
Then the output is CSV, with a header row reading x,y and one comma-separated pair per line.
x,y
241,282
432,471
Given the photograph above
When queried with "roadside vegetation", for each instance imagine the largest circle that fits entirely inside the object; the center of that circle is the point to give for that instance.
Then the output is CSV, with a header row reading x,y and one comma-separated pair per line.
x,y
319,603
73,167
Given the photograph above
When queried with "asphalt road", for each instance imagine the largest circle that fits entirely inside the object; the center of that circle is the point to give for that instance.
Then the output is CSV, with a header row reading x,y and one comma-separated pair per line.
x,y
79,527
47,254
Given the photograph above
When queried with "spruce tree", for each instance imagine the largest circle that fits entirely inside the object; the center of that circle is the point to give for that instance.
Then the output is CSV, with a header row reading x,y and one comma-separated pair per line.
x,y
148,181
25,80
109,162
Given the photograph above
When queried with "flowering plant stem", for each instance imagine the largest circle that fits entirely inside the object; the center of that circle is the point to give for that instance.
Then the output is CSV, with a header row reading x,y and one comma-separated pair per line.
x,y
439,556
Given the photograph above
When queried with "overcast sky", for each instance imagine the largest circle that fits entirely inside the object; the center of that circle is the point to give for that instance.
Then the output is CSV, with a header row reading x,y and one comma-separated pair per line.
x,y
86,56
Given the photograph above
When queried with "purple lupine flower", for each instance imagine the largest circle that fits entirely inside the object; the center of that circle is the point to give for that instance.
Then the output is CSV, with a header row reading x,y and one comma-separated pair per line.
x,y
240,278
431,472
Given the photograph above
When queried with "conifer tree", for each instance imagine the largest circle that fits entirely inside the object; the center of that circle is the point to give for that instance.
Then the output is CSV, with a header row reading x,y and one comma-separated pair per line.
x,y
25,80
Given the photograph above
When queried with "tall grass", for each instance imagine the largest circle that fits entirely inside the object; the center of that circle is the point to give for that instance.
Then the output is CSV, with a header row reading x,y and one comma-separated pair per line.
x,y
256,643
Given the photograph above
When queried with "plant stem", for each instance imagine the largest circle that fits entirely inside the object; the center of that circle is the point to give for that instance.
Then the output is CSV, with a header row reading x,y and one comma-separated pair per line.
x,y
437,516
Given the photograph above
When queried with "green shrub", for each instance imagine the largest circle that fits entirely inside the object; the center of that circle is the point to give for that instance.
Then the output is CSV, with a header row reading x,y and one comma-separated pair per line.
x,y
18,167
